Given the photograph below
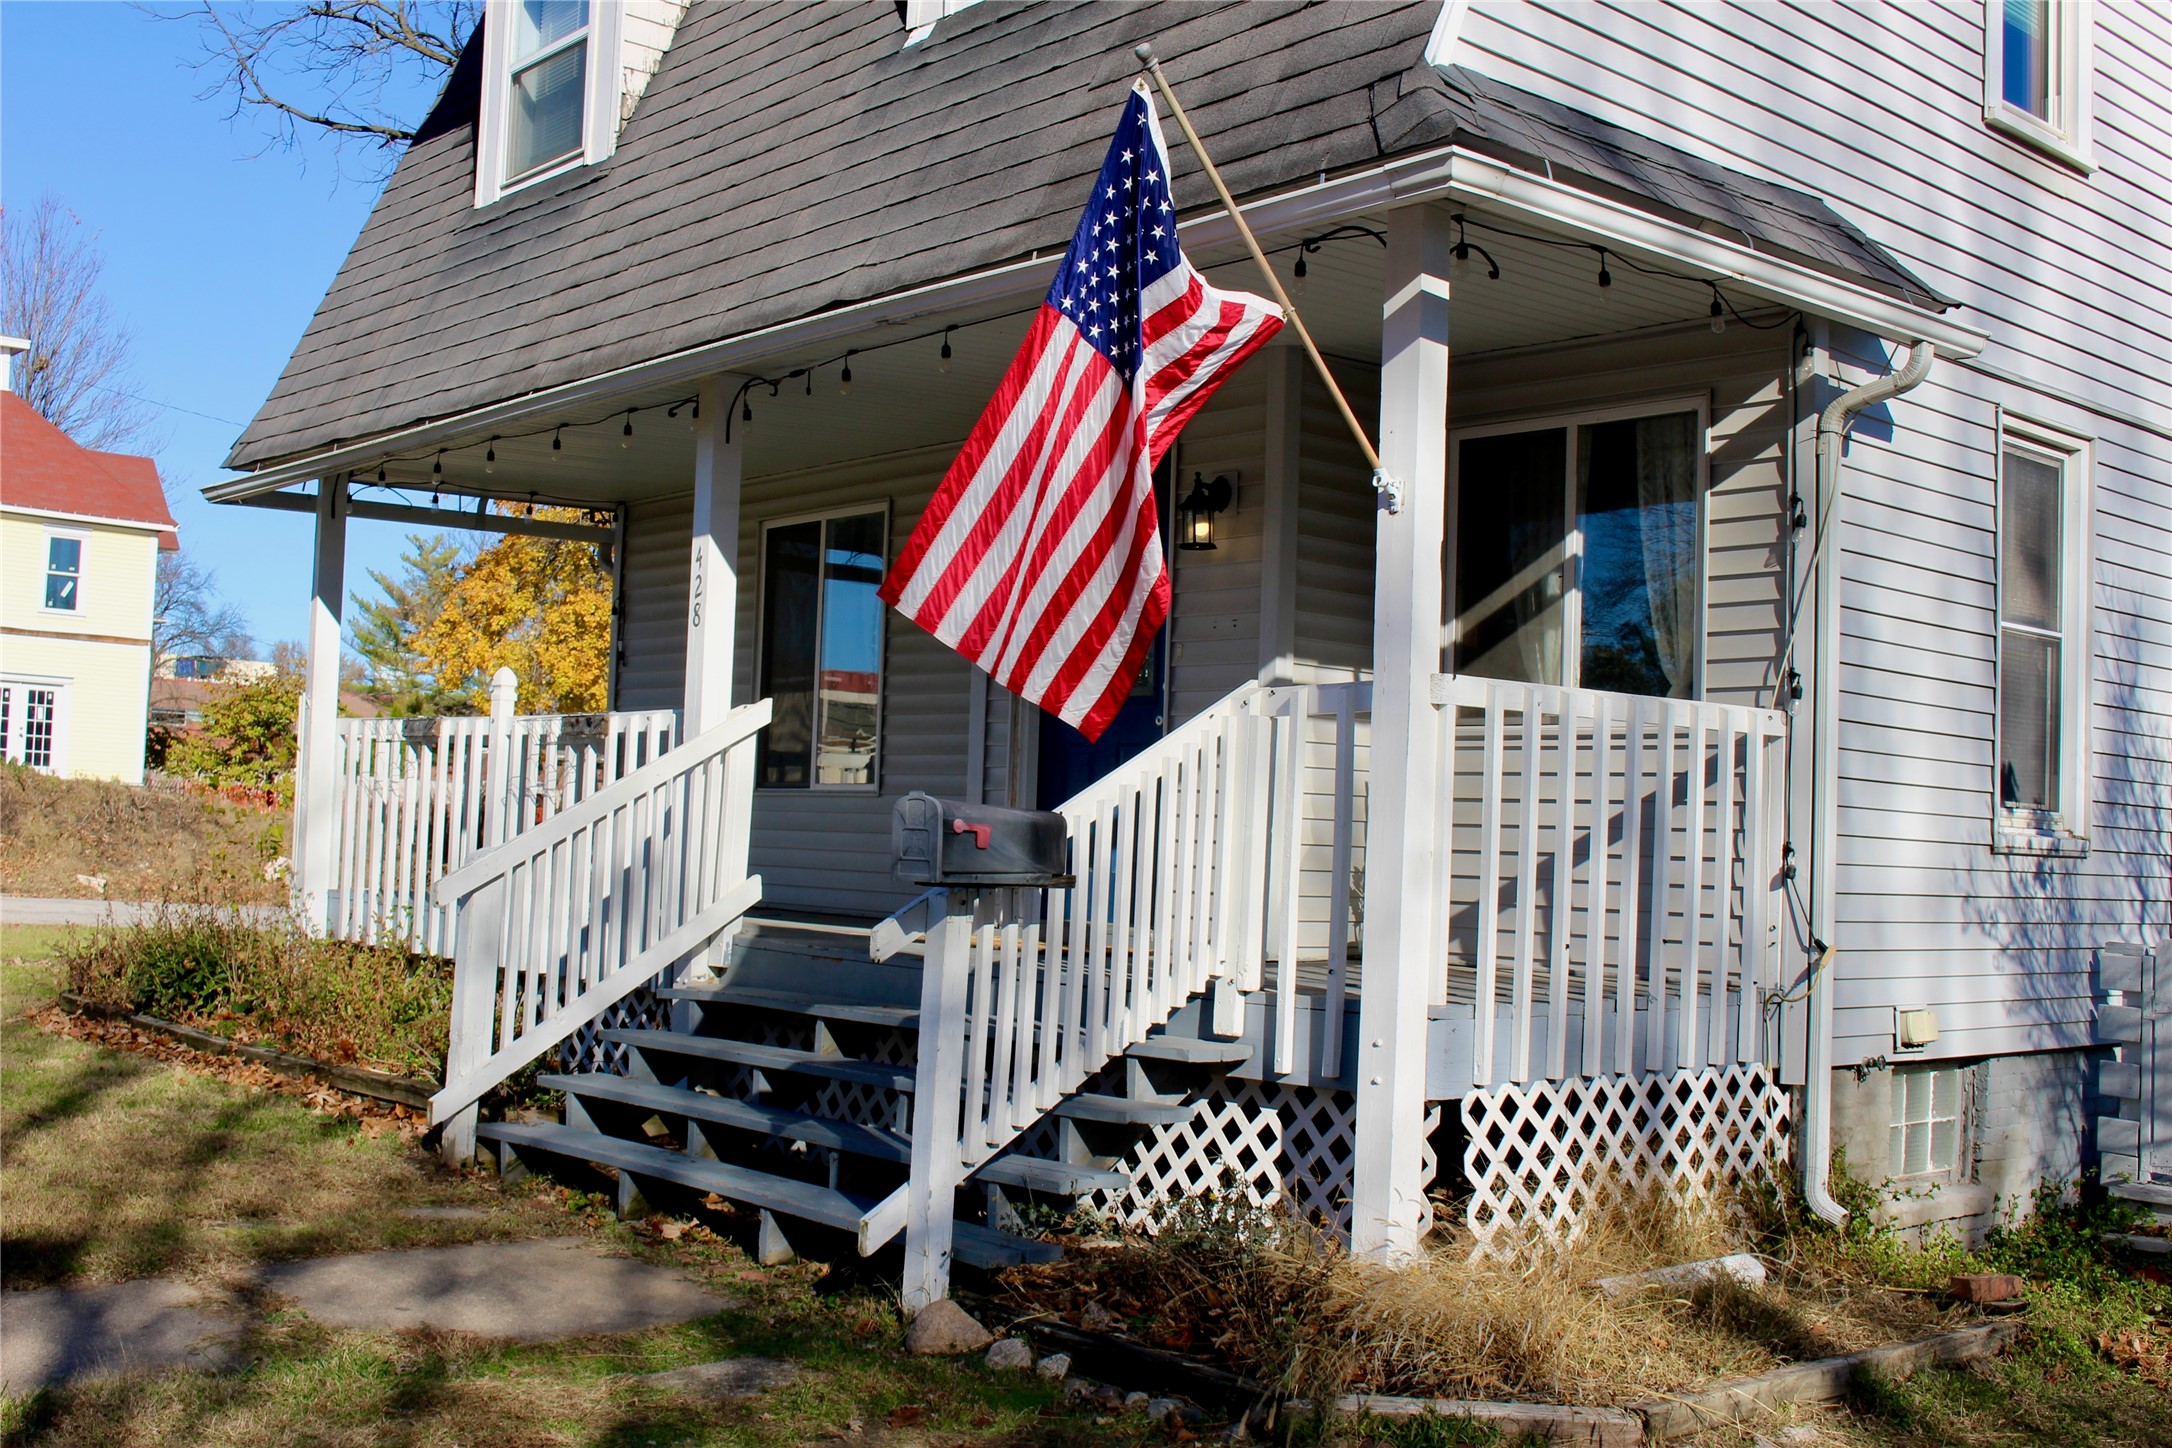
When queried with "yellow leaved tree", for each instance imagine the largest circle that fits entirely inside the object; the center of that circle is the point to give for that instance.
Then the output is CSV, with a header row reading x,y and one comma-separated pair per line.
x,y
539,606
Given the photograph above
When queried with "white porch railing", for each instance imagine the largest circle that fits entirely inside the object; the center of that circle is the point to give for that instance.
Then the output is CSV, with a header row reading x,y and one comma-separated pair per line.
x,y
560,922
414,799
1046,987
1604,858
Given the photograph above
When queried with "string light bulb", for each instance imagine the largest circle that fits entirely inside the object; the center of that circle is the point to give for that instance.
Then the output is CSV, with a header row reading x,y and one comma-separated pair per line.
x,y
1719,313
1459,265
558,445
942,363
625,435
437,466
746,410
1606,278
1297,273
844,378
380,472
490,457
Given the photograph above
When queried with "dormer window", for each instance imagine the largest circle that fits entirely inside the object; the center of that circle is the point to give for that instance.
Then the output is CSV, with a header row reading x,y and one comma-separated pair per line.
x,y
550,100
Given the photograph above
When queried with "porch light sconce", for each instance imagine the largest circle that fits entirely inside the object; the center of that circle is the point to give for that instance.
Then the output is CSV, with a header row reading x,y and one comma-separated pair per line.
x,y
1195,514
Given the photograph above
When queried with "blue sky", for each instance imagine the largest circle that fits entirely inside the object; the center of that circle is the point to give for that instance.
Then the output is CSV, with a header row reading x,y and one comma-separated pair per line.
x,y
217,252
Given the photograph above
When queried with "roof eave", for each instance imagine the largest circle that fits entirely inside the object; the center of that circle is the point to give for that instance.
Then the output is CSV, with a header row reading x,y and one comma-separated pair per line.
x,y
1450,174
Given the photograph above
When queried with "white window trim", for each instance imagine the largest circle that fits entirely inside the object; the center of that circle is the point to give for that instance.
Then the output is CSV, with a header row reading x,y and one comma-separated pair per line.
x,y
599,101
2025,832
882,646
82,571
921,16
9,746
1572,641
2071,138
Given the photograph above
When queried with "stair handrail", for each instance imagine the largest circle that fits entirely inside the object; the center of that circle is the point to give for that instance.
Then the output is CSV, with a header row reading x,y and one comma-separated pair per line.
x,y
1169,874
559,923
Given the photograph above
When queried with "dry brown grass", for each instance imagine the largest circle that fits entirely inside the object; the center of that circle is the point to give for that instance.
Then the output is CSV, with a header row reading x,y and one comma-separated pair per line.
x,y
1280,1302
154,842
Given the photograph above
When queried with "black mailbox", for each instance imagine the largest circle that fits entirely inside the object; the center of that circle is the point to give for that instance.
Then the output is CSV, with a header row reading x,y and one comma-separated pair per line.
x,y
943,842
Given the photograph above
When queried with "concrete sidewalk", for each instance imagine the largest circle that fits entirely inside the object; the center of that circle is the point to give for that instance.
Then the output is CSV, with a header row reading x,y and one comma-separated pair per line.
x,y
50,910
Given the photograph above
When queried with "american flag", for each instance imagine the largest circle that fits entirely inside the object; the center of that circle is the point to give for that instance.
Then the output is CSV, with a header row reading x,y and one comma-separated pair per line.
x,y
1040,556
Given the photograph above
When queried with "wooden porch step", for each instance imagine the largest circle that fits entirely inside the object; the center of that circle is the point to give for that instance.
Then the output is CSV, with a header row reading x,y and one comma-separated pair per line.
x,y
749,1188
1191,1050
866,1013
765,1058
1123,1111
992,1251
753,1116
1051,1178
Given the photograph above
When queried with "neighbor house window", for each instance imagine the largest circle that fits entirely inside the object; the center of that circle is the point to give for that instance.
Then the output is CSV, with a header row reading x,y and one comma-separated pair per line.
x,y
63,572
821,651
2044,635
552,97
30,724
1577,556
1925,1136
2037,71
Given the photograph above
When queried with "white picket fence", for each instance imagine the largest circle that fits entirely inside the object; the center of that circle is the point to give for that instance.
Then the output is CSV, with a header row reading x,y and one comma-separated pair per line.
x,y
414,799
563,920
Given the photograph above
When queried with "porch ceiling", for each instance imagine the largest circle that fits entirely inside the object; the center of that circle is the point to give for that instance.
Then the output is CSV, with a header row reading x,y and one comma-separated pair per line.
x,y
901,399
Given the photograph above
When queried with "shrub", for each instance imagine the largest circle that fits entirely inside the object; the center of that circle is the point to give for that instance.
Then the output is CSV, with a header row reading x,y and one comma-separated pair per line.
x,y
271,981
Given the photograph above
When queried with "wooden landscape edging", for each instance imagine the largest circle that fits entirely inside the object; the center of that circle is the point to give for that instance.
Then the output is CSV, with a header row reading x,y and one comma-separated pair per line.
x,y
1818,1382
378,1085
1514,1422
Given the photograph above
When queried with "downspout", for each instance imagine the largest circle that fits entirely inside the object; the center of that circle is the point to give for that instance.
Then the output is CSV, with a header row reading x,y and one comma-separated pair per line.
x,y
1817,1122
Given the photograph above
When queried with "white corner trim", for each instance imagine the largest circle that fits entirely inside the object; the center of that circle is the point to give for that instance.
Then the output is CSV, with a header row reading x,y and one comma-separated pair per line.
x,y
1445,44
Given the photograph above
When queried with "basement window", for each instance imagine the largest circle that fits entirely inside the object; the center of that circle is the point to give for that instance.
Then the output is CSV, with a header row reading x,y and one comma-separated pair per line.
x,y
1925,1136
551,98
820,659
2037,70
2044,640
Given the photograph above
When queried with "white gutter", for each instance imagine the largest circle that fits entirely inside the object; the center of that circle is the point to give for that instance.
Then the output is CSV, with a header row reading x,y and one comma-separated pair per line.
x,y
1450,175
1817,1113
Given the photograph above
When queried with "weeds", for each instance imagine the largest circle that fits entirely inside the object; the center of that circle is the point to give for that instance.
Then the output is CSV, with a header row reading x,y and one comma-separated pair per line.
x,y
273,983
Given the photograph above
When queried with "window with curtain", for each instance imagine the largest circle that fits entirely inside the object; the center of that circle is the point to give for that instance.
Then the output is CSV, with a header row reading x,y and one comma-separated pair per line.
x,y
549,81
821,651
1577,554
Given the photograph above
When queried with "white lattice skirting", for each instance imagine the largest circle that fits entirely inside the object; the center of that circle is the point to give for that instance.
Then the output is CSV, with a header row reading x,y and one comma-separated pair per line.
x,y
1261,1142
1536,1152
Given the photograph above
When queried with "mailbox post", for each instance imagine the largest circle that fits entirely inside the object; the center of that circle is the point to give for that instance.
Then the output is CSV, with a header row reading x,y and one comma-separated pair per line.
x,y
965,853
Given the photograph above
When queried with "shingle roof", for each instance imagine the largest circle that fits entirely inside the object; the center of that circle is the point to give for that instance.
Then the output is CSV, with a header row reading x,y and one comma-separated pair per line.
x,y
42,467
791,158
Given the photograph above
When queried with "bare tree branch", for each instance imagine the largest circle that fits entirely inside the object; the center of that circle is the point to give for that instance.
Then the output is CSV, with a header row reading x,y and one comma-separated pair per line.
x,y
189,620
77,371
348,68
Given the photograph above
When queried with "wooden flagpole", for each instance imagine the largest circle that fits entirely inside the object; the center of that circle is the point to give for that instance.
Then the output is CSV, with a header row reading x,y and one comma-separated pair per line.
x,y
1145,52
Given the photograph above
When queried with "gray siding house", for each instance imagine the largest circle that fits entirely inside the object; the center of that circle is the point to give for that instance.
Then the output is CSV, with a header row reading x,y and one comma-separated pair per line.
x,y
1745,732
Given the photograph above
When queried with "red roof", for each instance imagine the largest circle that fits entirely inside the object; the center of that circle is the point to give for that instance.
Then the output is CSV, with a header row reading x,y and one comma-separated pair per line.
x,y
42,467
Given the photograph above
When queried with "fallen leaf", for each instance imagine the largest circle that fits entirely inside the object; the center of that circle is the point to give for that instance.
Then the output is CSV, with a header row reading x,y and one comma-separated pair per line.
x,y
910,1415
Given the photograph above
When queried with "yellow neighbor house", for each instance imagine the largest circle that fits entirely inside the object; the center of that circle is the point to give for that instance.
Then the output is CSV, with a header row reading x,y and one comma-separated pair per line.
x,y
80,534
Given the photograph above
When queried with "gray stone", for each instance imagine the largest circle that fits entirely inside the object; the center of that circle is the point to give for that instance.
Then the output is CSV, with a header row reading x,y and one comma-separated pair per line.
x,y
944,1329
732,1378
1135,1400
1010,1355
523,1291
1739,1267
1056,1365
1174,1412
63,1333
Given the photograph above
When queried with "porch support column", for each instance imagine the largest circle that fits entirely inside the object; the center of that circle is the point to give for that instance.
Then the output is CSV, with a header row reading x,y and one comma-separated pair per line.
x,y
712,592
317,759
1403,963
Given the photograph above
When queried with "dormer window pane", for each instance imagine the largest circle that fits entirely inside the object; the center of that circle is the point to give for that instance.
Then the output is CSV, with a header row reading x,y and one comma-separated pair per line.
x,y
2026,83
539,24
550,74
